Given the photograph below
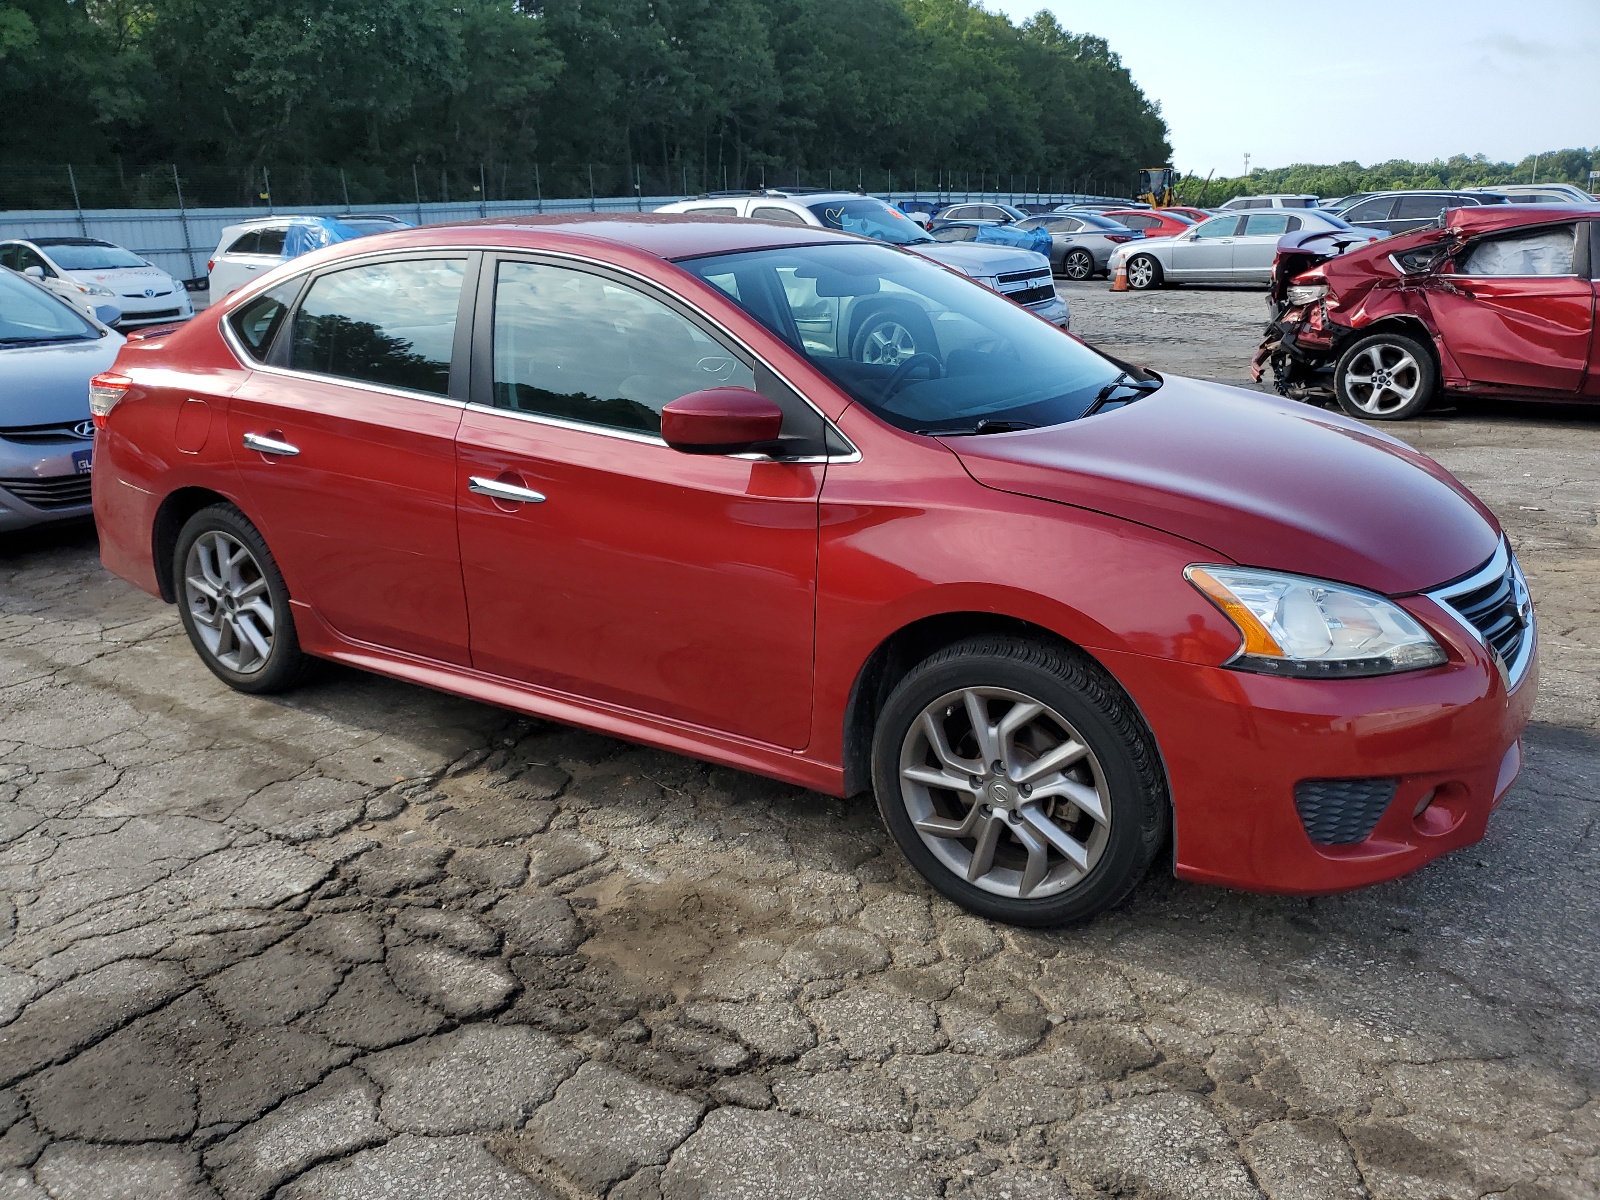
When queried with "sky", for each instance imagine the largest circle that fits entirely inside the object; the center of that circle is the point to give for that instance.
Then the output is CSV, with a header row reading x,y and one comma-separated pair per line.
x,y
1368,80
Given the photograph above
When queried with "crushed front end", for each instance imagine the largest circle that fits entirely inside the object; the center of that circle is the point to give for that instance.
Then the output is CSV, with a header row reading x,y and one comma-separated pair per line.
x,y
1302,342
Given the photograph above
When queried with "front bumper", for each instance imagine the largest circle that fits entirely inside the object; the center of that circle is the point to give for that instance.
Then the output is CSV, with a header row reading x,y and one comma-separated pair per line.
x,y
40,482
163,310
1055,311
1236,744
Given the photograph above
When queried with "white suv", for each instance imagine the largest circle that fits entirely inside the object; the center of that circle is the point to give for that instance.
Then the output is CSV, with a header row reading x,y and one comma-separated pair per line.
x,y
1020,275
1277,200
251,247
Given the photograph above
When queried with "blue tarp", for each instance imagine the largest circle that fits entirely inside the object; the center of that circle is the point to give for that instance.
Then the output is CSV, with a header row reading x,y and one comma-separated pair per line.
x,y
313,233
1010,235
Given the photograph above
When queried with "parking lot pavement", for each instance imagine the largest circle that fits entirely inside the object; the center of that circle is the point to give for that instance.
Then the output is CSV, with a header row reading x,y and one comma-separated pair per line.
x,y
368,940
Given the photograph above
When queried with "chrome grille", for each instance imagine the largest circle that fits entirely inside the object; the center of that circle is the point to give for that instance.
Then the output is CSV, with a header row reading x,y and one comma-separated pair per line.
x,y
1024,277
36,434
1039,295
52,491
1493,603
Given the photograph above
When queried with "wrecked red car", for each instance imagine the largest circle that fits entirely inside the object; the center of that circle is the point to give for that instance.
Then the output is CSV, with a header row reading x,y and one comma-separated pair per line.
x,y
1494,301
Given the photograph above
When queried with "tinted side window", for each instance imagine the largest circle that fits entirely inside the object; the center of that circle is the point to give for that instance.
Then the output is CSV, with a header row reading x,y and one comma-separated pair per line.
x,y
27,257
271,241
1065,225
1414,208
1298,202
392,323
584,348
785,216
955,233
246,243
1294,224
8,257
258,322
714,210
1266,224
1548,251
1369,210
1220,227
1136,222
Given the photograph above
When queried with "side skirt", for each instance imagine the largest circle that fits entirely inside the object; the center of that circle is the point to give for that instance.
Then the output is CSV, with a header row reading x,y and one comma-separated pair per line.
x,y
693,741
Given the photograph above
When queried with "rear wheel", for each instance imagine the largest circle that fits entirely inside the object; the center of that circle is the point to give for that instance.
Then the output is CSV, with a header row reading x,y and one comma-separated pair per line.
x,y
1078,265
1144,272
1384,377
1017,777
233,603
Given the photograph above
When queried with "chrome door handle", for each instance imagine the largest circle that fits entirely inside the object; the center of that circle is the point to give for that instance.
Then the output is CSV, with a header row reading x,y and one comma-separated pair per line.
x,y
497,490
268,445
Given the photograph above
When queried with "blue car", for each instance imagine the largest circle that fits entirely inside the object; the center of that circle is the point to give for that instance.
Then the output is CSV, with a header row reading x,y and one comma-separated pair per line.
x,y
48,353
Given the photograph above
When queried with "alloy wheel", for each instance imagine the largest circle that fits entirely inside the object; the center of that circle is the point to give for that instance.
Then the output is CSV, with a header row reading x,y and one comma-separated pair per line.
x,y
1079,265
887,344
1382,378
1005,793
225,590
1141,273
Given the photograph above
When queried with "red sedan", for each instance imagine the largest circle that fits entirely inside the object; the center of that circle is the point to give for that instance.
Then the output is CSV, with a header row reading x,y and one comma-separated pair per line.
x,y
1494,301
1153,222
640,474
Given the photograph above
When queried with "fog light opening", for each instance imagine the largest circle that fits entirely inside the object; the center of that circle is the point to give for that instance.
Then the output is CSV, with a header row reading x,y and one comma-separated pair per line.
x,y
1422,804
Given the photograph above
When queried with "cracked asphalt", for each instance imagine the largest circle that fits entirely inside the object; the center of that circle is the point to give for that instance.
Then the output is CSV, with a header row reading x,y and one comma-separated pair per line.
x,y
369,941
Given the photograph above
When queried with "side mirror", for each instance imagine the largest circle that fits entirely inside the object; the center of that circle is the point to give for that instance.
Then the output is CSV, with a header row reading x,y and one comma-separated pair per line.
x,y
34,272
724,420
107,314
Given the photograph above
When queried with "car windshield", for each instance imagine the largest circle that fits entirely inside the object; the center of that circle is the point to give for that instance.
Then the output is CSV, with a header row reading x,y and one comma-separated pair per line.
x,y
870,218
98,256
922,347
29,315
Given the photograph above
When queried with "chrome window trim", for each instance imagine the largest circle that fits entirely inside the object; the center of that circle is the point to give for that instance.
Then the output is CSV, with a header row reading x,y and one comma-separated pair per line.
x,y
248,362
1502,559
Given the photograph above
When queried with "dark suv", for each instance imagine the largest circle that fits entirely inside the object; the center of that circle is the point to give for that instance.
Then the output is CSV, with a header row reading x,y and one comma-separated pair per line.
x,y
1401,212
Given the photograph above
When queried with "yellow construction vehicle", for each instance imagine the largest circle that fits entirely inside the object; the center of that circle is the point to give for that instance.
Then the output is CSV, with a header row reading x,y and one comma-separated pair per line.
x,y
1156,187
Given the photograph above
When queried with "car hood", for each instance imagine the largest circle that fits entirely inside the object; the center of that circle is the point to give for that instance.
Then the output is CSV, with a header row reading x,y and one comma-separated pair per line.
x,y
49,385
982,261
126,281
1262,481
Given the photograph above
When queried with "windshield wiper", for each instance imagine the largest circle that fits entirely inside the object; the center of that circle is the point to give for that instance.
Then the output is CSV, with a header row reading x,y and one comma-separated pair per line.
x,y
1124,379
981,427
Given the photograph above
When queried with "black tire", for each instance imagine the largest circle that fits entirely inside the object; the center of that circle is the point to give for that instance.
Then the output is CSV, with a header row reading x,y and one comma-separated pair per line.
x,y
1126,769
1404,374
1145,280
877,327
1078,265
285,665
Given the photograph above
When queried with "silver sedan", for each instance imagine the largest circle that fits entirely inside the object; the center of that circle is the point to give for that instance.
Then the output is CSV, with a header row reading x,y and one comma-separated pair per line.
x,y
1081,243
1231,248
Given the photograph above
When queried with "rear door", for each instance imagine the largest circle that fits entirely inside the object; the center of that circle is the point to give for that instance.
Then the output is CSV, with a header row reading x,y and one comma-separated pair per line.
x,y
1207,254
345,442
1517,310
1371,214
1257,245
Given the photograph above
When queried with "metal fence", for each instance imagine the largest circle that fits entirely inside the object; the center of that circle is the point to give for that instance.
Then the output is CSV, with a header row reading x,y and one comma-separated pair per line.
x,y
181,240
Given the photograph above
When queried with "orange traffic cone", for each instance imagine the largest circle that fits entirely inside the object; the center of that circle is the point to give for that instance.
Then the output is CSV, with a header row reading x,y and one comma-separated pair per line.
x,y
1119,281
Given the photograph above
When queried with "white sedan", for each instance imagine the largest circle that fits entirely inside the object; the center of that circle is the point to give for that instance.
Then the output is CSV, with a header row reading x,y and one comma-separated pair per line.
x,y
1231,248
87,272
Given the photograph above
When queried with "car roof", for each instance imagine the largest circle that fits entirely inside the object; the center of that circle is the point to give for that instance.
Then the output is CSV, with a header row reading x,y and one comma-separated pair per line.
x,y
668,236
69,241
1483,218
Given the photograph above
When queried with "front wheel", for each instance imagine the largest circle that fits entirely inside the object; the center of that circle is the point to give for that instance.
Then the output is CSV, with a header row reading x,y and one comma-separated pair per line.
x,y
1384,377
1019,779
233,603
1144,272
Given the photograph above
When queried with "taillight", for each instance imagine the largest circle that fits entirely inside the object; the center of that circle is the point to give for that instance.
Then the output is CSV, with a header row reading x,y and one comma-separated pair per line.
x,y
211,265
1120,237
105,390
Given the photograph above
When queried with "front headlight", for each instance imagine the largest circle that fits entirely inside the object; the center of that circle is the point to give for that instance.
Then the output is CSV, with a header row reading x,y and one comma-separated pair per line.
x,y
93,289
1300,294
1310,628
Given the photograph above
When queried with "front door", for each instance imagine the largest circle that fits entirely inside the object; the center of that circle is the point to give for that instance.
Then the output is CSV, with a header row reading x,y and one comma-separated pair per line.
x,y
1518,311
345,440
601,563
1207,253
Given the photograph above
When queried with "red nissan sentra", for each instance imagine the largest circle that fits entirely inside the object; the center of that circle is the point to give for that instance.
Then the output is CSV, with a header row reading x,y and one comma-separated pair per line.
x,y
817,508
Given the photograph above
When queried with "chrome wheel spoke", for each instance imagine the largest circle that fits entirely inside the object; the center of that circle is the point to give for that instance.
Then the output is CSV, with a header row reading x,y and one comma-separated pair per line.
x,y
941,748
987,735
1038,865
983,853
229,600
944,827
932,777
251,636
1073,850
1052,761
1085,798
